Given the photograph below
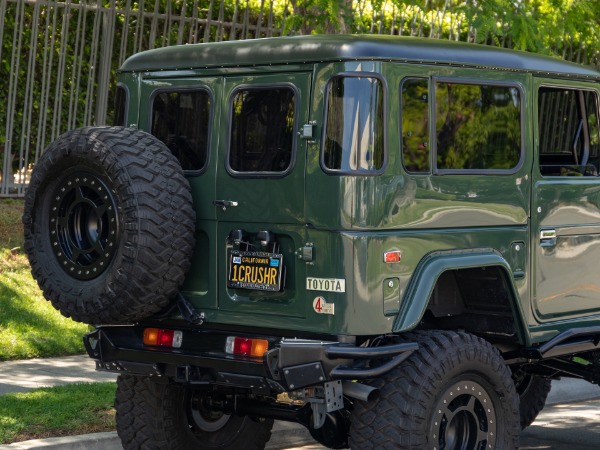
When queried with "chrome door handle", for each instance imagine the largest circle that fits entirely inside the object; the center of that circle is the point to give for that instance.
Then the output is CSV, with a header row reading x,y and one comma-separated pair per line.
x,y
547,238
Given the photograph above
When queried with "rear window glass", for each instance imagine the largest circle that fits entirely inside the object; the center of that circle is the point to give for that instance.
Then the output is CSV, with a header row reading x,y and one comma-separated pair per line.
x,y
262,130
181,120
415,124
478,127
354,135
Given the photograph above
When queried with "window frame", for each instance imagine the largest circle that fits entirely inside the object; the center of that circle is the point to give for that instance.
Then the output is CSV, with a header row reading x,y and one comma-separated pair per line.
x,y
179,89
358,74
433,131
563,87
256,87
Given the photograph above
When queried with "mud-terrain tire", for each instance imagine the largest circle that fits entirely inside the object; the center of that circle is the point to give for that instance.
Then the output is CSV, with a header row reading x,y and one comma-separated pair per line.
x,y
533,391
109,225
153,416
454,392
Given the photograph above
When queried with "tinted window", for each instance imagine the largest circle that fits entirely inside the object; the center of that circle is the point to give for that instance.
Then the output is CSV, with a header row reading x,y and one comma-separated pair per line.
x,y
568,132
262,130
415,125
181,121
354,138
477,126
120,107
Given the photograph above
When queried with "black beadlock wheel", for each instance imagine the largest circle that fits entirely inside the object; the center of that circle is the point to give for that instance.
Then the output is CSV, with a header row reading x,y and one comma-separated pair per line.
x,y
464,418
454,393
109,225
84,224
162,416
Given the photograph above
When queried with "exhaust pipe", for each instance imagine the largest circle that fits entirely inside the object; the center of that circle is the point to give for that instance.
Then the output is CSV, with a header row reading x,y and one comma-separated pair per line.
x,y
360,391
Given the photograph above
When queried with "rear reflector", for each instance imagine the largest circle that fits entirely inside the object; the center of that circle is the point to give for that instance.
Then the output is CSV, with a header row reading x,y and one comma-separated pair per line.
x,y
163,338
245,346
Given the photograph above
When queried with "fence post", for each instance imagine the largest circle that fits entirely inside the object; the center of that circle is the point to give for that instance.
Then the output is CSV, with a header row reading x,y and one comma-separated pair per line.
x,y
104,72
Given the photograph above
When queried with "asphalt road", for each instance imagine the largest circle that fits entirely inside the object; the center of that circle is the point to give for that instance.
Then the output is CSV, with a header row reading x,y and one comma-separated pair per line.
x,y
570,420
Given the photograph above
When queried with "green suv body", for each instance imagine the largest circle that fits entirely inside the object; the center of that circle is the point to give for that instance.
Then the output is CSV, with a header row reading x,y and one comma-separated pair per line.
x,y
378,222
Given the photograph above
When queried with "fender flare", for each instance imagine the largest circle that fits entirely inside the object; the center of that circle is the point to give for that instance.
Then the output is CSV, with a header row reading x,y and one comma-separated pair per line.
x,y
420,287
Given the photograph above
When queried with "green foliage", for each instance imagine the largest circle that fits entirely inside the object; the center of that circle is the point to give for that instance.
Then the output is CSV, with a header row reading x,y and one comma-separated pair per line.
x,y
320,16
57,411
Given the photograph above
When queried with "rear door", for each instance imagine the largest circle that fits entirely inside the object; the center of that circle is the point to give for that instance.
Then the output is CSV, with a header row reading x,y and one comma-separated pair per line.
x,y
259,200
184,113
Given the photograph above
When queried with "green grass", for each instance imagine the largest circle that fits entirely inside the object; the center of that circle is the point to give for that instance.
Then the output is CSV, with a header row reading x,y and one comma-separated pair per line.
x,y
11,229
57,411
29,326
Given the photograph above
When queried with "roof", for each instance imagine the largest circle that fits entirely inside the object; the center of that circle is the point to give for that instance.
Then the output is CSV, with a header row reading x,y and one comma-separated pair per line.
x,y
302,49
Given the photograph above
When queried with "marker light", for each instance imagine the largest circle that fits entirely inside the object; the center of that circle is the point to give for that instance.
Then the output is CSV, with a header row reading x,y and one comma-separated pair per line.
x,y
245,346
163,338
392,257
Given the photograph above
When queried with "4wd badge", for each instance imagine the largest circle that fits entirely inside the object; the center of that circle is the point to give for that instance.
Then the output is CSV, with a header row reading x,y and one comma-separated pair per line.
x,y
321,306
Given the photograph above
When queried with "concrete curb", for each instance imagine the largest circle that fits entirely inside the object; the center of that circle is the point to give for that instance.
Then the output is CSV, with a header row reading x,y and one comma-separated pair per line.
x,y
95,441
285,436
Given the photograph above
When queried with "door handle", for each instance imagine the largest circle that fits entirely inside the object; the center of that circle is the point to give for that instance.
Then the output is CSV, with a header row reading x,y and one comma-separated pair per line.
x,y
547,238
224,204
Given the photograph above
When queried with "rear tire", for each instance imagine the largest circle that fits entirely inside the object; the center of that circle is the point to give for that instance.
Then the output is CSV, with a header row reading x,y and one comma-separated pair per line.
x,y
153,416
533,391
455,392
109,225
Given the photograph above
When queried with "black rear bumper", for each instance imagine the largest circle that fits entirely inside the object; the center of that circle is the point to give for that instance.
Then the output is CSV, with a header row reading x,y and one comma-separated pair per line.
x,y
289,364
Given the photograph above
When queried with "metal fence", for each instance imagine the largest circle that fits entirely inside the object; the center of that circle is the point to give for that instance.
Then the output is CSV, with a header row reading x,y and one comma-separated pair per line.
x,y
57,60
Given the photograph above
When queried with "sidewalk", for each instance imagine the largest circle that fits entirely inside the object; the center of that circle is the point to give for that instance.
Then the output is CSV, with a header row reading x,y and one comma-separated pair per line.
x,y
570,421
21,376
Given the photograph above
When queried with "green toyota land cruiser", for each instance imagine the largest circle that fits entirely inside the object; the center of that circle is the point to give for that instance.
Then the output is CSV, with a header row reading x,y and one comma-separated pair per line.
x,y
391,241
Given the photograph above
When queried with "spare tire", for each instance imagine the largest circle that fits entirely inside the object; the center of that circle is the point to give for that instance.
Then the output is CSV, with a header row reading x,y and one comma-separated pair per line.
x,y
109,225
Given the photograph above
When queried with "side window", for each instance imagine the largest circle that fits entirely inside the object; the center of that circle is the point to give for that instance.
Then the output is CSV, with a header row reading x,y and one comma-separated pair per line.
x,y
120,119
478,127
568,132
354,134
181,120
262,130
415,124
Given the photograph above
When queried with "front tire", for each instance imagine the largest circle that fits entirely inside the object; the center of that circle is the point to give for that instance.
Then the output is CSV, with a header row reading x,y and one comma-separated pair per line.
x,y
157,416
455,392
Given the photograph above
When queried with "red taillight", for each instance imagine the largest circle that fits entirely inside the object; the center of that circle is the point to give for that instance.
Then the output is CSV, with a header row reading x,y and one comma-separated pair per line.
x,y
163,338
166,338
246,346
242,346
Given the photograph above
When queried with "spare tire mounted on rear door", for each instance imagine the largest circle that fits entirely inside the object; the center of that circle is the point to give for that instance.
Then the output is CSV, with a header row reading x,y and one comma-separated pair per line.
x,y
109,225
